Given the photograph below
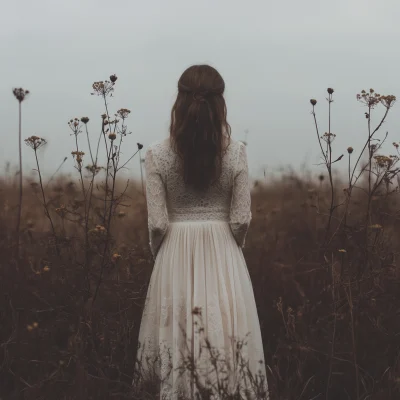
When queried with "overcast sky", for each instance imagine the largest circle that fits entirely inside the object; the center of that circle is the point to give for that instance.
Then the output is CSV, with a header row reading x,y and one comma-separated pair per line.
x,y
273,55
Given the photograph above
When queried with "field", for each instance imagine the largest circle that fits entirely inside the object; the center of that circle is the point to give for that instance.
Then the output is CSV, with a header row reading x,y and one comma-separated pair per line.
x,y
322,253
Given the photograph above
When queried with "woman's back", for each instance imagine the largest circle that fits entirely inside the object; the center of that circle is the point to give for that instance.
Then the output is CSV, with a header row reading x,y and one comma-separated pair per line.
x,y
187,204
171,200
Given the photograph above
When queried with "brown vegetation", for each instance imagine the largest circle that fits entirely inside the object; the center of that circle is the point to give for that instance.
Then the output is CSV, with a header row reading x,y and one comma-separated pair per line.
x,y
322,255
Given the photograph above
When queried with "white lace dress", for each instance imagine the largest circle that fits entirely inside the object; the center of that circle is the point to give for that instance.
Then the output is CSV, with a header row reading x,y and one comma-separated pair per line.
x,y
200,329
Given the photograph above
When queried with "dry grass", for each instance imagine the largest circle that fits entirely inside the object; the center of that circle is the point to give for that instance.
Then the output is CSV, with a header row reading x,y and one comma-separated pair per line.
x,y
81,352
323,262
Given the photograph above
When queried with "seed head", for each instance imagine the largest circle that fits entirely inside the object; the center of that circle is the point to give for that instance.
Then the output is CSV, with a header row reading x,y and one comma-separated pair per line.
x,y
85,120
113,78
350,150
140,146
20,94
330,90
112,136
35,142
313,102
123,113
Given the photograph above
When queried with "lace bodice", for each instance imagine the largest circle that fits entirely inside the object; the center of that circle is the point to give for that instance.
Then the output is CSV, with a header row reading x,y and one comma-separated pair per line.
x,y
170,200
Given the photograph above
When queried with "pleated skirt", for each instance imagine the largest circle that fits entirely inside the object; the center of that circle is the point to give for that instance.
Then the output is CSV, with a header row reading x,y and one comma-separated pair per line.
x,y
200,329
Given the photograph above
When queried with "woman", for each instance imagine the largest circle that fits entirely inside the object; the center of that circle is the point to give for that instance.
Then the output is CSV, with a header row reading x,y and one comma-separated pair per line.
x,y
200,331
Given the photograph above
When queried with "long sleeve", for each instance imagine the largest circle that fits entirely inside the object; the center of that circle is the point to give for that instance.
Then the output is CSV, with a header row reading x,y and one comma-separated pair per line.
x,y
156,203
240,213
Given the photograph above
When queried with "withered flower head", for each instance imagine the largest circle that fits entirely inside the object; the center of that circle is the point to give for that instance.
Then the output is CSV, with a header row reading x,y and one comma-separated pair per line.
x,y
78,155
20,94
330,90
62,211
387,101
116,257
350,150
140,146
123,113
113,78
94,169
112,136
35,142
376,227
313,102
85,120
102,88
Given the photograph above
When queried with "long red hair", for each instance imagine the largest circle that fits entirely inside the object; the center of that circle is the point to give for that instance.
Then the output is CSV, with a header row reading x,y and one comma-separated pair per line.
x,y
199,129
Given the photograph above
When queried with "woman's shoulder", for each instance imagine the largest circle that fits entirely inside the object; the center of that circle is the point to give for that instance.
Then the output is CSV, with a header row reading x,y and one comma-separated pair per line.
x,y
234,146
159,146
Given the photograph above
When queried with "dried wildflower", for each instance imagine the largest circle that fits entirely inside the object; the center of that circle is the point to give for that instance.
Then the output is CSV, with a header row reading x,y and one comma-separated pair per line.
x,y
74,126
396,145
388,101
85,120
383,161
20,94
376,227
116,257
78,155
94,169
113,78
62,211
350,150
35,142
328,137
330,90
313,102
371,99
103,88
140,146
112,136
123,113
196,311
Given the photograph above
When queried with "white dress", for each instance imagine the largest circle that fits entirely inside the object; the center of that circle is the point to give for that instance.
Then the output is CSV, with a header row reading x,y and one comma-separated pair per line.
x,y
200,327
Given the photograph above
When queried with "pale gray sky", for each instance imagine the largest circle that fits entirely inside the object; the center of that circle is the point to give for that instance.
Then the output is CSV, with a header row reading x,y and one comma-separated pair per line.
x,y
273,55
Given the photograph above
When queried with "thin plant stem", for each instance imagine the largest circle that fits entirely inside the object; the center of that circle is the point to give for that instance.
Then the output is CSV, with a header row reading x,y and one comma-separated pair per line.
x,y
141,172
46,209
20,180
